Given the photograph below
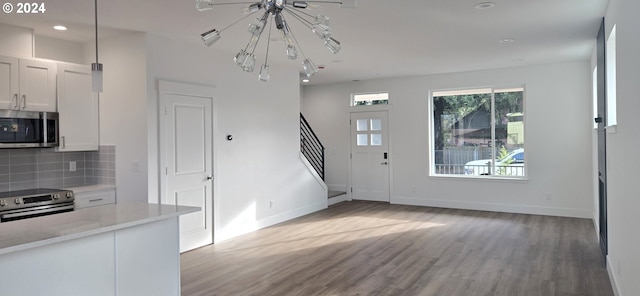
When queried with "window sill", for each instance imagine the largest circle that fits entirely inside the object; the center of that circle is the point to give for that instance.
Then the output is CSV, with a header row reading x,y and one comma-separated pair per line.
x,y
480,178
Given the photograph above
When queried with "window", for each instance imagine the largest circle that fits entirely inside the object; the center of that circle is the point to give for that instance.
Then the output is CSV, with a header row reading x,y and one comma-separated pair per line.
x,y
478,132
370,99
611,78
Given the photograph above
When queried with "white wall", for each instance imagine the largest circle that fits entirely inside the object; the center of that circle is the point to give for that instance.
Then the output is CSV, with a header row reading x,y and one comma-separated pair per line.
x,y
623,158
123,110
261,164
558,131
59,50
16,41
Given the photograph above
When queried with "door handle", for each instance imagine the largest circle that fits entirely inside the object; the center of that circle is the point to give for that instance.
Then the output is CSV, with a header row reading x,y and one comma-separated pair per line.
x,y
598,119
15,97
384,163
209,178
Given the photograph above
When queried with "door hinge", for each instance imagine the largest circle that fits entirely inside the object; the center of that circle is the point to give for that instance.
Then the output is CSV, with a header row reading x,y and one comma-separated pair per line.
x,y
165,111
351,189
351,155
166,170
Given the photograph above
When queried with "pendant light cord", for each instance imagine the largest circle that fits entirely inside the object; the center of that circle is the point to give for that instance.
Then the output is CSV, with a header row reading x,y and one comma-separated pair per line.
x,y
96,19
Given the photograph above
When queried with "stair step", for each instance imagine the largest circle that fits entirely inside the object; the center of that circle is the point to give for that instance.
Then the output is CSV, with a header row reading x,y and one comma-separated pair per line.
x,y
335,193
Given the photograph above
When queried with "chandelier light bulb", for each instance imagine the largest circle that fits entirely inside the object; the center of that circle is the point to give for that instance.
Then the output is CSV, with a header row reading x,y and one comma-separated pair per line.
x,y
210,37
249,63
333,45
252,8
292,52
257,26
322,31
204,5
309,67
264,73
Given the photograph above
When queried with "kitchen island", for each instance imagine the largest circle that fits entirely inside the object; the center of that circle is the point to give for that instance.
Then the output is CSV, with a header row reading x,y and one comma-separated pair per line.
x,y
117,249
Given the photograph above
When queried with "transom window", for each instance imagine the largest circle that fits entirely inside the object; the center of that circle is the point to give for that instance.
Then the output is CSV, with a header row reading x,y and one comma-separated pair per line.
x,y
478,132
369,99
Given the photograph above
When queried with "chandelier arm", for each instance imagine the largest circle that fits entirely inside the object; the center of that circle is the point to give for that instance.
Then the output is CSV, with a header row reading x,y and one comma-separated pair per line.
x,y
300,19
233,3
301,10
331,2
266,58
295,39
239,20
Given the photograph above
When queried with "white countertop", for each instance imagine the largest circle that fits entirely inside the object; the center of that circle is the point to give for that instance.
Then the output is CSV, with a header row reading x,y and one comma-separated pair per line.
x,y
40,231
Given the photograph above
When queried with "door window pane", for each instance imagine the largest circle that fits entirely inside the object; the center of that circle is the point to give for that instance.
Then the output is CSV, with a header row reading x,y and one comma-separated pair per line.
x,y
376,139
362,125
376,124
362,140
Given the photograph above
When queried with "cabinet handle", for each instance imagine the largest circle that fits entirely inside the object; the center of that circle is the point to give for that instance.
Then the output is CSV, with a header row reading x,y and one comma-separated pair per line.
x,y
96,199
15,97
63,142
24,101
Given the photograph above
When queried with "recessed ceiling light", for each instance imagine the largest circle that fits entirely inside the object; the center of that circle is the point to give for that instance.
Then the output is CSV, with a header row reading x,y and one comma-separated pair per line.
x,y
305,80
485,5
507,40
60,28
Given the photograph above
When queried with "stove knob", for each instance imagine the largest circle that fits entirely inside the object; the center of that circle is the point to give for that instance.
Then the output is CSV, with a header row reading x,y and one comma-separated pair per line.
x,y
69,194
3,203
56,196
17,201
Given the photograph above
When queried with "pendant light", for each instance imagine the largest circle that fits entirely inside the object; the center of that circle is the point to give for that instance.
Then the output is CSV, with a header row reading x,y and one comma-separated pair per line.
x,y
96,68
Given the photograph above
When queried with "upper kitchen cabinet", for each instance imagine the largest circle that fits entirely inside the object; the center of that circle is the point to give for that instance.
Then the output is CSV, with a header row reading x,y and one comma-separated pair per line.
x,y
27,84
78,109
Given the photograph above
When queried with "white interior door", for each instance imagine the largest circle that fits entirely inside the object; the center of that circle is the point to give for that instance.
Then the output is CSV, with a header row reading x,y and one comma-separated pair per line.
x,y
187,158
370,156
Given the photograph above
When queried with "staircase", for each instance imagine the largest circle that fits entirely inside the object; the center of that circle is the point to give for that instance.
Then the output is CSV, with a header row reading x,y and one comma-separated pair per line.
x,y
313,151
311,147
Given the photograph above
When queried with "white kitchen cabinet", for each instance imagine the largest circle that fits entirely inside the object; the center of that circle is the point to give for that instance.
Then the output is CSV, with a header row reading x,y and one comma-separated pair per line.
x,y
9,86
97,195
78,109
27,84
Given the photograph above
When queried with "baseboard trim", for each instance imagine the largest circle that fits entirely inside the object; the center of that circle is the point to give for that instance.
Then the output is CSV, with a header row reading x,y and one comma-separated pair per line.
x,y
494,207
337,199
225,234
612,278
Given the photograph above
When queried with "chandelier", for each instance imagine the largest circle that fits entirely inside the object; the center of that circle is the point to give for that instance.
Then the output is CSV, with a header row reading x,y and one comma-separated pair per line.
x,y
273,12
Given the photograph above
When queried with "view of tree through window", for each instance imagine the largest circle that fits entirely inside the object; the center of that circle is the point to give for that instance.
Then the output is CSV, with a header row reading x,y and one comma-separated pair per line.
x,y
466,141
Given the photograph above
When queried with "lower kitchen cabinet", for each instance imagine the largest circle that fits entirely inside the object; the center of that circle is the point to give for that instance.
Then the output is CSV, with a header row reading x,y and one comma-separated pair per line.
x,y
96,195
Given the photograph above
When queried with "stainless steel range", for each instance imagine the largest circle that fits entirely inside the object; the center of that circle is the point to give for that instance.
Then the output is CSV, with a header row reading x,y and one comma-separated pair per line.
x,y
22,204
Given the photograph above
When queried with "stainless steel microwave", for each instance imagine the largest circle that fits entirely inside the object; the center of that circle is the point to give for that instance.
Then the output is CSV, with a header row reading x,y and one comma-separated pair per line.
x,y
27,129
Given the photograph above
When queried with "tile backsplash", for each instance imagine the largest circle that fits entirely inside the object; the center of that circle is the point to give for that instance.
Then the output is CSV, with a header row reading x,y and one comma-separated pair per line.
x,y
45,168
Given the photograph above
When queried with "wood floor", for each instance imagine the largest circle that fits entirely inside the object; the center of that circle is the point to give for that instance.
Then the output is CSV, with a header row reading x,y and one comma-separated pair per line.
x,y
369,248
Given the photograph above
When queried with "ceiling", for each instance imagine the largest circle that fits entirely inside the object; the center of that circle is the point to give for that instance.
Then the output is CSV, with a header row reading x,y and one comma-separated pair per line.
x,y
379,38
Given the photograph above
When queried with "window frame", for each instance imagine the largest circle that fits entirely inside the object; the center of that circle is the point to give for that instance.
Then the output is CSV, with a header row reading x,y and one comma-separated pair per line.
x,y
470,90
353,98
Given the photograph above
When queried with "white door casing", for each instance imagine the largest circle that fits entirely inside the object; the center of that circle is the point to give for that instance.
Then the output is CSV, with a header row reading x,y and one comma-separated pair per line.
x,y
370,156
187,158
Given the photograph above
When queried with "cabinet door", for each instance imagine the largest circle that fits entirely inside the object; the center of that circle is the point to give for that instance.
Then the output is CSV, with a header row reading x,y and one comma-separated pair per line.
x,y
37,85
78,109
9,86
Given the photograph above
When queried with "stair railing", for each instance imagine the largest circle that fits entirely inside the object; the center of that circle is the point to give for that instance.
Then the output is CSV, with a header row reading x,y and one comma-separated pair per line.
x,y
311,147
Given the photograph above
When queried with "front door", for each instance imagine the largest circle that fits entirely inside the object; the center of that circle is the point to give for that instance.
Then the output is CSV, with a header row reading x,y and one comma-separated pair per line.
x,y
370,156
186,130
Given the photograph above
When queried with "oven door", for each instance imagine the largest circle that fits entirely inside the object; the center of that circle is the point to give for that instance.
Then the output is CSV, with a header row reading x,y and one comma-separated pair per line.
x,y
25,213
